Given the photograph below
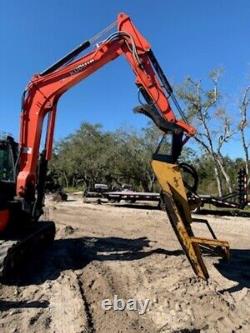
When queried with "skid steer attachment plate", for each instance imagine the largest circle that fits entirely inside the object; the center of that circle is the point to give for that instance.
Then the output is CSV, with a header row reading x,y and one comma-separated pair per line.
x,y
178,210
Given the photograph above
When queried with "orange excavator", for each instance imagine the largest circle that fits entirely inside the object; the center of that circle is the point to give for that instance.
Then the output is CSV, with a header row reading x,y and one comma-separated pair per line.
x,y
24,165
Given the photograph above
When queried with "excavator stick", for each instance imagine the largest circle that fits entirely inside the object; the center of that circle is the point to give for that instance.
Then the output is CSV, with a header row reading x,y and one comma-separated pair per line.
x,y
177,207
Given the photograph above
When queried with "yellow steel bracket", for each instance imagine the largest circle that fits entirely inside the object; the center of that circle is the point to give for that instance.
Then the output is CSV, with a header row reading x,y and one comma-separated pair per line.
x,y
174,194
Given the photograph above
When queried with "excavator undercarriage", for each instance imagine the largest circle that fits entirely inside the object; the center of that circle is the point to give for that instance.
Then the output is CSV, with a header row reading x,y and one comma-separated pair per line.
x,y
18,245
21,237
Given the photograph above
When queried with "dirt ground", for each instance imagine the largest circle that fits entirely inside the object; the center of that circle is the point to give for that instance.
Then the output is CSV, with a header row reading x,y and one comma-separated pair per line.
x,y
103,250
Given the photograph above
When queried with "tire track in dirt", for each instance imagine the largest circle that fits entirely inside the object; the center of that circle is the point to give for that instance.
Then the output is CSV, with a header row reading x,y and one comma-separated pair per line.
x,y
90,321
100,282
67,307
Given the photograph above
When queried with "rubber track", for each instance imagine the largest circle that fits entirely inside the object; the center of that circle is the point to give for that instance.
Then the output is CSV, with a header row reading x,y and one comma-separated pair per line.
x,y
16,247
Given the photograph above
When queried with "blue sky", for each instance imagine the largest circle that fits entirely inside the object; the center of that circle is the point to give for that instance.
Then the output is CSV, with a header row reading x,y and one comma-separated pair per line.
x,y
188,38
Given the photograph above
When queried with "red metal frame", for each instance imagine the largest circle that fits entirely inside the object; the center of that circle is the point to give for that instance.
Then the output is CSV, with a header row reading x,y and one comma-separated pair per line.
x,y
44,91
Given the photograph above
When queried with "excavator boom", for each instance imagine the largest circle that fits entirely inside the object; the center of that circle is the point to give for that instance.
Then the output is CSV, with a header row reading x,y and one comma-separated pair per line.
x,y
44,91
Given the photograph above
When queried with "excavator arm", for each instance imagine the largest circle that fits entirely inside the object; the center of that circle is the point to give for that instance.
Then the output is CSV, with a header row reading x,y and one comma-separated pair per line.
x,y
40,100
45,89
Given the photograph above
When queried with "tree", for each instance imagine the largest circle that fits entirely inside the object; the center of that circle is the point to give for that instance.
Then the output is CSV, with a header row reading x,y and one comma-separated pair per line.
x,y
91,155
212,122
244,125
81,157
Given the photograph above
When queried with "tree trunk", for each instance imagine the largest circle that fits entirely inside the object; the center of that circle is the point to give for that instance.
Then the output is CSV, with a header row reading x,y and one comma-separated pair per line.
x,y
151,182
227,178
244,108
218,180
246,153
66,179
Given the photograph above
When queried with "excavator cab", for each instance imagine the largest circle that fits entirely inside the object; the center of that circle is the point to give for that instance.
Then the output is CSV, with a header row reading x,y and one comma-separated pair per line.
x,y
8,153
8,156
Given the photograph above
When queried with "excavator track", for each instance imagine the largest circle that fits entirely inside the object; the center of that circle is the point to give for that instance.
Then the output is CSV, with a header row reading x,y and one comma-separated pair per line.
x,y
17,246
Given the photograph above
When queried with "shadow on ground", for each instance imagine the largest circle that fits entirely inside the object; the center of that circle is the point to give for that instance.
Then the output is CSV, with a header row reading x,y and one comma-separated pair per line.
x,y
76,253
6,305
237,269
224,212
136,206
